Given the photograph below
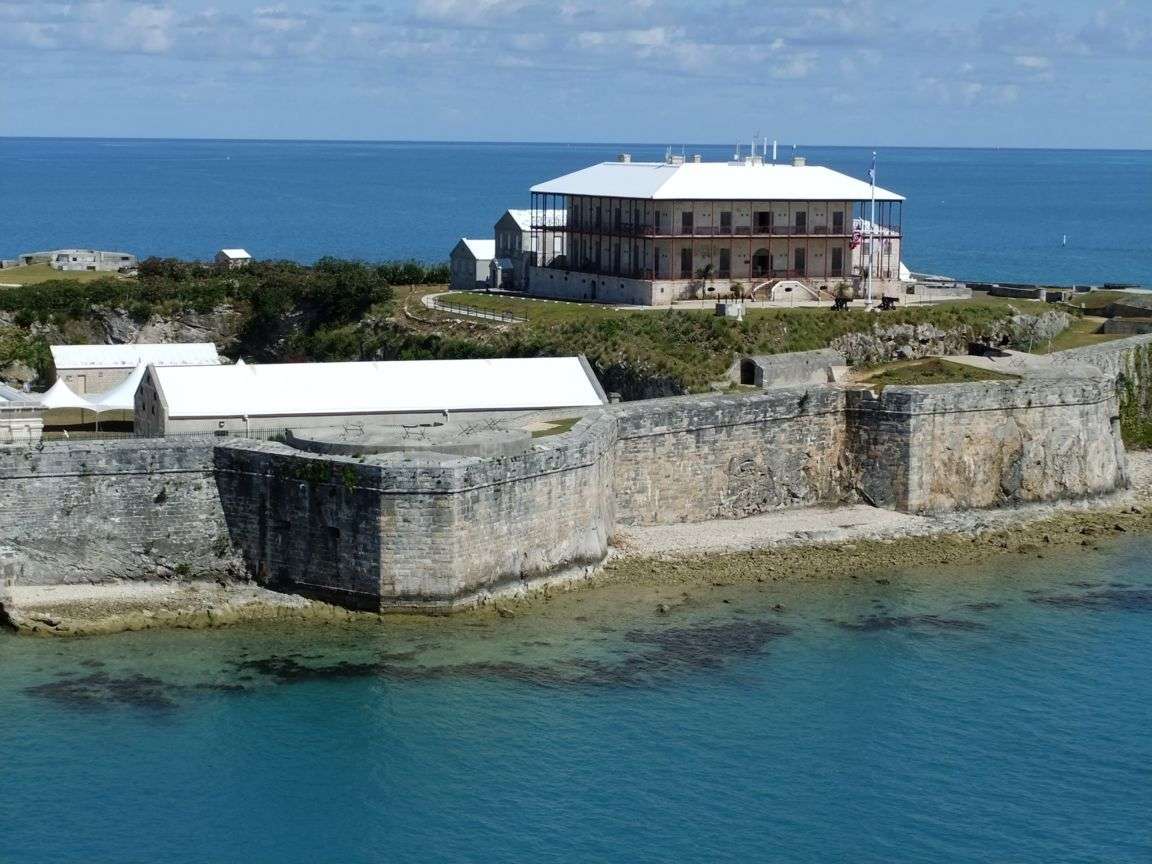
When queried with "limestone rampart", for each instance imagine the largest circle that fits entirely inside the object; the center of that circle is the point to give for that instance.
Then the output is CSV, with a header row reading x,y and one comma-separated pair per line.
x,y
688,459
431,530
1127,362
101,510
971,446
419,529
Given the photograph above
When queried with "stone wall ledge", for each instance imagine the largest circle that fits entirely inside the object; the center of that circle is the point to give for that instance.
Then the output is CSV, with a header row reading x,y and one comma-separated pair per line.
x,y
114,458
428,473
682,413
983,396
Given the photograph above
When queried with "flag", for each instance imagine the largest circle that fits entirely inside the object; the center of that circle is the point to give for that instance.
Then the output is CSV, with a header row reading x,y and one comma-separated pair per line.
x,y
872,170
857,239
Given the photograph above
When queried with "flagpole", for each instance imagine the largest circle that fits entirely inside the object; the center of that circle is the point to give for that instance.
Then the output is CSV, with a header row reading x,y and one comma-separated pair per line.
x,y
872,227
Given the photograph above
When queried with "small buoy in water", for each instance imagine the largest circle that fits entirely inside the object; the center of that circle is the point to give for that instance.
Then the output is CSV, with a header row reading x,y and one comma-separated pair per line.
x,y
1064,240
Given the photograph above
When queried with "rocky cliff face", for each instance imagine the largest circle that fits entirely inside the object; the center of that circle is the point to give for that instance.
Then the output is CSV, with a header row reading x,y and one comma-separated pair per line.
x,y
913,341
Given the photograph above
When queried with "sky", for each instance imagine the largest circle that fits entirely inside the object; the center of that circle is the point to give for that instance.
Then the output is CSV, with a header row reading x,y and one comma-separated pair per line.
x,y
1060,73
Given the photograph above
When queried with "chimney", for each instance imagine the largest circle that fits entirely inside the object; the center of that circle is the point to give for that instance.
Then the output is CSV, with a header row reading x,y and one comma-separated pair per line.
x,y
798,161
624,157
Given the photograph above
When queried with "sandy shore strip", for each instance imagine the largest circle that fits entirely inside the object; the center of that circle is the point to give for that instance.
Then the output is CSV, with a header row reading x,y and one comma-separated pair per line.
x,y
830,525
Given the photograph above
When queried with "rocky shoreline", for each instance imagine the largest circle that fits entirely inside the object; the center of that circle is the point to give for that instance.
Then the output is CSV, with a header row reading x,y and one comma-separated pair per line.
x,y
784,546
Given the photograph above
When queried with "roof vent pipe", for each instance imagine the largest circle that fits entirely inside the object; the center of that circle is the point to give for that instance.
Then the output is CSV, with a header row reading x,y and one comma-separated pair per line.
x,y
624,157
798,161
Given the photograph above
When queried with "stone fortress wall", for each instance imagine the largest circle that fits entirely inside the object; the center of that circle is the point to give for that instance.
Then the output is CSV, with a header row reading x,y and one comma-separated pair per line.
x,y
432,530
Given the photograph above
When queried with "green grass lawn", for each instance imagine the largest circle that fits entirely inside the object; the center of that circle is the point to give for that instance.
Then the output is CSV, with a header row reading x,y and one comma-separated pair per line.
x,y
1096,300
536,311
1083,332
910,373
37,273
558,427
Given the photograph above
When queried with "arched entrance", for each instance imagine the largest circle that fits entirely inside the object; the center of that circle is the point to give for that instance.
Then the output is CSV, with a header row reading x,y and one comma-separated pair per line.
x,y
761,263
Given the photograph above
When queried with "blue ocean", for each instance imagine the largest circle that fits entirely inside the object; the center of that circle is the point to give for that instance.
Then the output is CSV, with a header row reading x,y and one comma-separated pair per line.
x,y
963,716
1056,216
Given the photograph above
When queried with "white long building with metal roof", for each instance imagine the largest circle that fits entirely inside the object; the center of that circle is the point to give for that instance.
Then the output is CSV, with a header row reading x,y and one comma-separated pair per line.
x,y
88,369
652,233
247,397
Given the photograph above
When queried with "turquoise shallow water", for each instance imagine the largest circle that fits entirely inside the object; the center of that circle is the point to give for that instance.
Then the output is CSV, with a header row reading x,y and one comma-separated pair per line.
x,y
974,214
964,716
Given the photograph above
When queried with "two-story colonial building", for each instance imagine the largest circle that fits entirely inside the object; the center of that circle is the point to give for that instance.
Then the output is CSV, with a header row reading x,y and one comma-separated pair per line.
x,y
652,233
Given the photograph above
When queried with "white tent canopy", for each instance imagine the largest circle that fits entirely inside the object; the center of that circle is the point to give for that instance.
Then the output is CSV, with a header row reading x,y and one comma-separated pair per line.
x,y
60,395
122,397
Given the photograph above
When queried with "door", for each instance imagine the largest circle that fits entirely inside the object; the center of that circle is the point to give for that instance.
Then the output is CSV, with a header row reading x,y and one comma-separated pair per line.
x,y
799,261
837,221
761,262
685,263
802,222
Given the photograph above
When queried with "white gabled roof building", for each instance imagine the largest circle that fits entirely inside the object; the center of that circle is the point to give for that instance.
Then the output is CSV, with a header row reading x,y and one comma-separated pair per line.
x,y
211,398
652,233
92,369
130,355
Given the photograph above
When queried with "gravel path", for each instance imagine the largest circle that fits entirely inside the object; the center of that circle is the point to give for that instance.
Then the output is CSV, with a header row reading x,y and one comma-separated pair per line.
x,y
820,525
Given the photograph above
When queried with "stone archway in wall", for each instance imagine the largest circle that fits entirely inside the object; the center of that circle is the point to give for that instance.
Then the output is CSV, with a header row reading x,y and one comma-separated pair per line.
x,y
761,263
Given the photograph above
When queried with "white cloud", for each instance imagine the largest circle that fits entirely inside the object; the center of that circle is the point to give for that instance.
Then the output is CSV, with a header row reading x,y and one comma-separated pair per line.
x,y
1031,61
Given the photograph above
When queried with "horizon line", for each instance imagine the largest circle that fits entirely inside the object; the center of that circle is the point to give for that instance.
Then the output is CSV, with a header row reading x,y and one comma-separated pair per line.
x,y
497,142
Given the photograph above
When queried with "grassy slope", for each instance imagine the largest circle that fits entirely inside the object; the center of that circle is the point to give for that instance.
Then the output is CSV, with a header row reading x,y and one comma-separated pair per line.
x,y
39,273
692,347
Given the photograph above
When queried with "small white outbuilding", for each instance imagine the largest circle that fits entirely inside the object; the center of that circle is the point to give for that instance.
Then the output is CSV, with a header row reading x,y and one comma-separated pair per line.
x,y
471,263
233,259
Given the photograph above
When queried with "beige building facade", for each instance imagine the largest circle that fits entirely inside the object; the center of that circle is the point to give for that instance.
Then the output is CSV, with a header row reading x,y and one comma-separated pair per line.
x,y
655,233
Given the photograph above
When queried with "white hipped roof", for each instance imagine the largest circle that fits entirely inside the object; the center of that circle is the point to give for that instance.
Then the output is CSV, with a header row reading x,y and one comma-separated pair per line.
x,y
392,387
720,181
132,355
482,250
235,254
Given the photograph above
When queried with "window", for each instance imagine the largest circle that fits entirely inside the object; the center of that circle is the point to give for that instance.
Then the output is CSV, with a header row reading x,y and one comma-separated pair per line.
x,y
837,221
686,221
837,260
801,221
725,221
685,263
